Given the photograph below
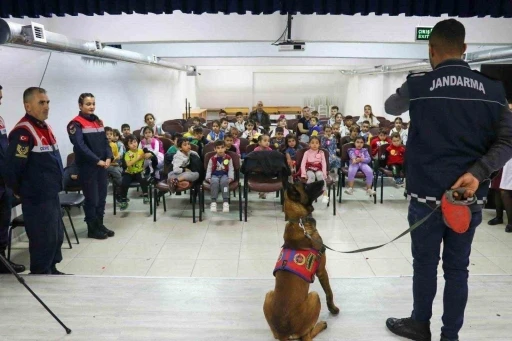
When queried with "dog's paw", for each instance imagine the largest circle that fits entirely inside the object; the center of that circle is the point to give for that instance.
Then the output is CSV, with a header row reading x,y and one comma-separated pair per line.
x,y
322,325
333,309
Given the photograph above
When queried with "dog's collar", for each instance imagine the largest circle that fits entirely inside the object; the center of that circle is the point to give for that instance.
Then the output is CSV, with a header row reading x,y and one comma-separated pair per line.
x,y
301,221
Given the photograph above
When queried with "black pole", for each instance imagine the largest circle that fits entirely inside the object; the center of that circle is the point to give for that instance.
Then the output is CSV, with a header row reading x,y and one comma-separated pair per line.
x,y
22,281
186,105
189,111
289,27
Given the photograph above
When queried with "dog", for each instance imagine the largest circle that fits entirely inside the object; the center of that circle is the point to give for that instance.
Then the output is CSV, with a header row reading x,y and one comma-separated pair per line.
x,y
292,312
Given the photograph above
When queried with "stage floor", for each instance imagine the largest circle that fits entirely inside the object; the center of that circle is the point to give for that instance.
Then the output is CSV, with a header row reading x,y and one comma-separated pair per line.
x,y
146,308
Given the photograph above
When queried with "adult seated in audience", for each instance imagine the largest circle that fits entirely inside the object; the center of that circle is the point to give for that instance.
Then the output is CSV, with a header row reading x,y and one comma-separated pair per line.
x,y
125,130
93,156
368,116
365,132
345,129
259,115
216,133
354,133
240,122
150,121
303,125
220,173
400,130
6,199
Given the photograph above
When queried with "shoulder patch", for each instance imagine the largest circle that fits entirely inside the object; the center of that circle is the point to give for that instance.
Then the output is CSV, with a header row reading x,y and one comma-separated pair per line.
x,y
21,151
71,128
24,138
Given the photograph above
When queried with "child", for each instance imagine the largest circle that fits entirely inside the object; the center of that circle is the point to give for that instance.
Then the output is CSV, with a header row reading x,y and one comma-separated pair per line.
x,y
345,130
190,132
316,114
281,122
336,133
332,119
150,121
354,132
228,139
314,128
314,165
180,162
395,159
365,132
289,149
368,116
134,158
125,130
377,142
236,141
173,149
263,145
120,145
225,125
250,132
198,139
359,160
400,130
70,177
216,133
114,170
339,119
328,142
240,123
220,173
196,122
151,145
278,139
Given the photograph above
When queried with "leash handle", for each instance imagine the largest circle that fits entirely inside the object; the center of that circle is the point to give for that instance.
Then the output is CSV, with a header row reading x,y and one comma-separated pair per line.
x,y
459,200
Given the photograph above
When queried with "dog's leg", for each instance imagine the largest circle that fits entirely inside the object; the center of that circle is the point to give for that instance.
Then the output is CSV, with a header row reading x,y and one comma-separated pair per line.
x,y
317,329
310,313
323,277
267,310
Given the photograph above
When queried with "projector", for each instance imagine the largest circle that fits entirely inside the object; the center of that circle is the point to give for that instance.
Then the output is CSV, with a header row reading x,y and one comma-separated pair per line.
x,y
292,46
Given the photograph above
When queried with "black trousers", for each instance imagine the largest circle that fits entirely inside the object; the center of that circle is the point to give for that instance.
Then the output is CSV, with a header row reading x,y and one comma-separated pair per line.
x,y
396,169
94,182
45,232
128,179
6,200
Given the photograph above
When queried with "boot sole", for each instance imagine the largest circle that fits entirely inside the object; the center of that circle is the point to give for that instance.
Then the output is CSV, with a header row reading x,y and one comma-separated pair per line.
x,y
407,336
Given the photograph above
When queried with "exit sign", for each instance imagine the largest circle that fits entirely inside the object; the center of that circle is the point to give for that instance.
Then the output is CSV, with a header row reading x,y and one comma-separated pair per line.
x,y
423,33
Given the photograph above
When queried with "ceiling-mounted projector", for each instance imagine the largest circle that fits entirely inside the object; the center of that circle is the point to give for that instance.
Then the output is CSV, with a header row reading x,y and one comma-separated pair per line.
x,y
291,46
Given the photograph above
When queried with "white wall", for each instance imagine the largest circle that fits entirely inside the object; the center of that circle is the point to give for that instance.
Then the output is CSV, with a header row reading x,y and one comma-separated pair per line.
x,y
124,92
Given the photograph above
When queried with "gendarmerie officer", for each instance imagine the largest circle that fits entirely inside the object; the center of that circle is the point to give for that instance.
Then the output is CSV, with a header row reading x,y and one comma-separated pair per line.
x,y
6,198
92,156
34,172
460,132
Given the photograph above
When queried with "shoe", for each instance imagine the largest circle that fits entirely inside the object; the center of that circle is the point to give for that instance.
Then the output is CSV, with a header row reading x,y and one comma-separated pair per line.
x,y
410,329
508,229
349,191
104,229
370,192
225,207
325,199
57,272
173,183
495,221
213,207
16,267
263,195
145,200
444,338
93,231
123,206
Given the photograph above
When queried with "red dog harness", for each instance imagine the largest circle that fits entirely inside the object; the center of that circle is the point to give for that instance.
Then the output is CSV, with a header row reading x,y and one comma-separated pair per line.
x,y
302,263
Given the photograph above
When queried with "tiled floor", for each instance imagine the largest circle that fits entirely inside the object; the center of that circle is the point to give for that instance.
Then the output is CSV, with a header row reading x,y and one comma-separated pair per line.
x,y
222,246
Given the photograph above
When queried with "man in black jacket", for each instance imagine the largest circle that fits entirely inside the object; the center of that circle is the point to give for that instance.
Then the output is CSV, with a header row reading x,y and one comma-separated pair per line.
x,y
259,115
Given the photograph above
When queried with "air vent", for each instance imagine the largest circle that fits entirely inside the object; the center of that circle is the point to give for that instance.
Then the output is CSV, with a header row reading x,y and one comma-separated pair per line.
x,y
154,59
99,45
35,33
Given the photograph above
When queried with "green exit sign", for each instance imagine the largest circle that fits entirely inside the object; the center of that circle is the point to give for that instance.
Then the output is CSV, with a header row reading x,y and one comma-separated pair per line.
x,y
423,33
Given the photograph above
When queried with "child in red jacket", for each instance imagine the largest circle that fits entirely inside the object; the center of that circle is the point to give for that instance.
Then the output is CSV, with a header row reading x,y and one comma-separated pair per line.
x,y
395,160
375,144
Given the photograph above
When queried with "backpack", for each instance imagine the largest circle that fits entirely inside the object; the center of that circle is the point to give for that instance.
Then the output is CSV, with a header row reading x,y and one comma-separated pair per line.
x,y
268,163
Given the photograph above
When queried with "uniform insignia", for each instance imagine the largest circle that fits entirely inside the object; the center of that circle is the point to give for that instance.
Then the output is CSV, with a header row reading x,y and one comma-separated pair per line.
x,y
299,259
24,138
310,261
21,151
71,129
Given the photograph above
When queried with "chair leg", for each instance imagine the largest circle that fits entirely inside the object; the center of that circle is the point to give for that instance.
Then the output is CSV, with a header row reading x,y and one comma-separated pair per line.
x,y
163,202
66,233
200,197
245,203
239,202
114,194
150,192
154,204
193,197
342,184
333,202
381,188
329,195
9,244
72,225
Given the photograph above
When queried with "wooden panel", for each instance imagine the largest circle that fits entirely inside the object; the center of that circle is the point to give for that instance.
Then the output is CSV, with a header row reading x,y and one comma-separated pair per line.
x,y
278,110
196,113
233,110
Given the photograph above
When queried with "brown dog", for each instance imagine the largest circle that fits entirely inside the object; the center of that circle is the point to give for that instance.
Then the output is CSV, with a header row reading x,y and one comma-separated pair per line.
x,y
290,311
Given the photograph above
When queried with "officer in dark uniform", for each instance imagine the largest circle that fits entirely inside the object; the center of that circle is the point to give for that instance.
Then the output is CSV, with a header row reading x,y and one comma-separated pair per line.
x,y
6,198
34,172
92,156
460,132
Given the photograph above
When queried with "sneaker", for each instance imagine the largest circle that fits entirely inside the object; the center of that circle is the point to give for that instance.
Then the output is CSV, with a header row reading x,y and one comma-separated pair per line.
x,y
213,207
410,329
173,184
370,192
225,207
145,199
495,221
325,199
123,206
263,195
349,191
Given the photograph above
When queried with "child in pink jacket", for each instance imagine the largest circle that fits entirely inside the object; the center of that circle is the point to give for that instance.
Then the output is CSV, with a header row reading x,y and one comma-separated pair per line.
x,y
314,165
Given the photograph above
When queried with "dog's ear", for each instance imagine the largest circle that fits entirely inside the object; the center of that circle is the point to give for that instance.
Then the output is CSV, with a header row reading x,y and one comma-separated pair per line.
x,y
292,193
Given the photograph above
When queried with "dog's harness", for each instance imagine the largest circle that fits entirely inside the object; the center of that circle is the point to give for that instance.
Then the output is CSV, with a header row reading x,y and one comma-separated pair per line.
x,y
302,263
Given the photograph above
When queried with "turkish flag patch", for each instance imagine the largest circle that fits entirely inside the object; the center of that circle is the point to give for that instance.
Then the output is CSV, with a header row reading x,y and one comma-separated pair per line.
x,y
24,138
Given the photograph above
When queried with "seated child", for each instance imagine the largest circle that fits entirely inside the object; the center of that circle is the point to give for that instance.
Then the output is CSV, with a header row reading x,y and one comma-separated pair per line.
x,y
328,142
278,139
395,159
199,140
134,159
339,119
225,125
345,130
190,132
375,144
314,127
316,114
236,141
180,164
314,165
154,146
71,177
125,130
216,133
263,145
336,132
114,170
196,122
173,149
240,123
365,132
289,149
281,122
229,146
399,129
250,132
332,119
359,161
220,173
120,144
354,132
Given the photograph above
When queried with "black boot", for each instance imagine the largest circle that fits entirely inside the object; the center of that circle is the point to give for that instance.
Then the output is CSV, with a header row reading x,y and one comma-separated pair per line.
x,y
93,231
17,267
57,272
495,221
444,338
104,229
410,329
508,228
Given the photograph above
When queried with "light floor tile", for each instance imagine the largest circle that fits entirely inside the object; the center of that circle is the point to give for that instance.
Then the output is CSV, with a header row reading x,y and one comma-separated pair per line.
x,y
388,251
99,250
339,268
504,263
86,266
184,251
256,268
215,268
140,250
484,266
493,249
390,266
128,267
171,267
259,251
219,251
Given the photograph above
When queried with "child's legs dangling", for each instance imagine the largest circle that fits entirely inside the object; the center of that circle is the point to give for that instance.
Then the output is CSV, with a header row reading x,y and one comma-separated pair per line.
x,y
311,176
352,171
320,177
368,172
214,187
